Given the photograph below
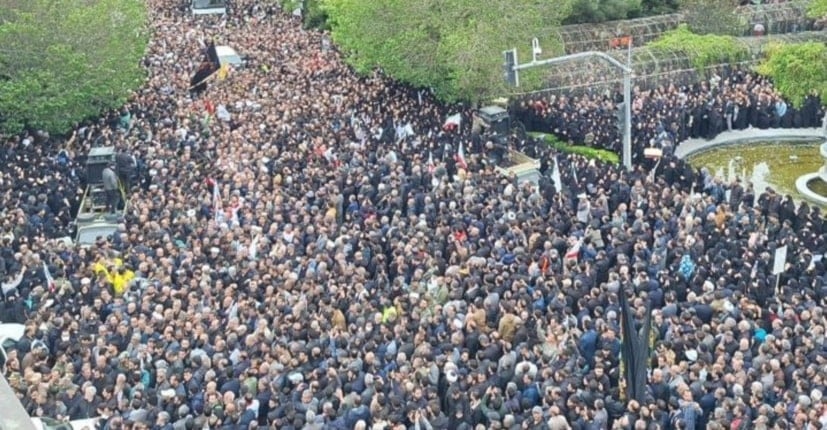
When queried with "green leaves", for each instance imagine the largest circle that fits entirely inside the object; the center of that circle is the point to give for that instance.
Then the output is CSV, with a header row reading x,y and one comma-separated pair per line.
x,y
452,46
65,60
797,70
592,11
817,9
712,16
703,50
586,151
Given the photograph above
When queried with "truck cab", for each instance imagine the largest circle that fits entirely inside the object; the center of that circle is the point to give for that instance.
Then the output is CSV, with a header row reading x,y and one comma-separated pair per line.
x,y
209,7
495,121
93,220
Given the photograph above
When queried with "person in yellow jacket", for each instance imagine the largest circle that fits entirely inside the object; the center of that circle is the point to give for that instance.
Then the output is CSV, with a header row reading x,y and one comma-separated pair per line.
x,y
116,274
389,314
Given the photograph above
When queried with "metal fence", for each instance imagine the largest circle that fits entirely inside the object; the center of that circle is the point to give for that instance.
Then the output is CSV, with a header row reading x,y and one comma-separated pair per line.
x,y
652,68
778,18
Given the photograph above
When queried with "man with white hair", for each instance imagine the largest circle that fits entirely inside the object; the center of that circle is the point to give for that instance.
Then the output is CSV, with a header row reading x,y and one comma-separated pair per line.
x,y
86,407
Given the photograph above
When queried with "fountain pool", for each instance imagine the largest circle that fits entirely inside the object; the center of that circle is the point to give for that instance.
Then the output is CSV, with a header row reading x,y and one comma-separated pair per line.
x,y
777,164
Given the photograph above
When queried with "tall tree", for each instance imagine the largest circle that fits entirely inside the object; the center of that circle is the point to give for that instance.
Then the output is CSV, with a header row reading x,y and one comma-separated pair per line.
x,y
65,60
452,46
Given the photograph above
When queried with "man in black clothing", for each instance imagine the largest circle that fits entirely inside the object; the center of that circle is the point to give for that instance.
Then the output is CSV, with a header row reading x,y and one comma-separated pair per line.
x,y
14,310
87,406
127,169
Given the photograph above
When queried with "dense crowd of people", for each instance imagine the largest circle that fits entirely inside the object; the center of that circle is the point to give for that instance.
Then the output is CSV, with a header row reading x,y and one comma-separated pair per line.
x,y
306,249
735,99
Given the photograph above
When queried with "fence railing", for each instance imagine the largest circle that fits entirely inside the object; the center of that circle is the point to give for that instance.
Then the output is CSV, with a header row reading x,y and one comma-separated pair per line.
x,y
653,68
776,19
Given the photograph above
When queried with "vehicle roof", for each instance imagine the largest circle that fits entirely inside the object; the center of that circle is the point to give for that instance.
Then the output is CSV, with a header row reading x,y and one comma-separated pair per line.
x,y
12,331
87,424
227,54
492,110
88,233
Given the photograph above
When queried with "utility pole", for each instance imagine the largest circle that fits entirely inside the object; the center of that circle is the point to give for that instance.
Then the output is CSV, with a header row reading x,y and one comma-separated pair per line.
x,y
512,68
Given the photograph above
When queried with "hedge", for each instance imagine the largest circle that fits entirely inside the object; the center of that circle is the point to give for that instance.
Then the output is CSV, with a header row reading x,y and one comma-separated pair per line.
x,y
586,151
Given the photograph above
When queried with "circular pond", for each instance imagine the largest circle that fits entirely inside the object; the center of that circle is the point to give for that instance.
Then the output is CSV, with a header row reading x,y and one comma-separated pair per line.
x,y
774,164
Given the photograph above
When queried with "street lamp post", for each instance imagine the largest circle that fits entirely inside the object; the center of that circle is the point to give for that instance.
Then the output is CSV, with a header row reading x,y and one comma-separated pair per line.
x,y
515,67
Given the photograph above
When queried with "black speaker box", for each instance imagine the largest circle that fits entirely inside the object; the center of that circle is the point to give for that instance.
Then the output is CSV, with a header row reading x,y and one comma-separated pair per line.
x,y
97,160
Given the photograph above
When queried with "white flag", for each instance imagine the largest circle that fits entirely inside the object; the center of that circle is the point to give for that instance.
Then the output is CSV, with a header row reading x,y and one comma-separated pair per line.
x,y
50,282
454,120
460,159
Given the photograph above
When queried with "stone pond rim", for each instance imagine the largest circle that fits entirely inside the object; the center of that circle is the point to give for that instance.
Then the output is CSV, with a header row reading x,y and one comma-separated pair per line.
x,y
805,183
692,147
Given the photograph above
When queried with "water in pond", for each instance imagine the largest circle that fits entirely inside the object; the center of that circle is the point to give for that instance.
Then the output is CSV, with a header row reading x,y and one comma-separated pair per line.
x,y
774,164
818,186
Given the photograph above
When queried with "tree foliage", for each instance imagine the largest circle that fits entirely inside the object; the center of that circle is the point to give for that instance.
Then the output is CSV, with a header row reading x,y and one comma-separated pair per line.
x,y
817,9
797,70
595,11
712,16
65,60
313,13
658,7
592,11
452,46
703,50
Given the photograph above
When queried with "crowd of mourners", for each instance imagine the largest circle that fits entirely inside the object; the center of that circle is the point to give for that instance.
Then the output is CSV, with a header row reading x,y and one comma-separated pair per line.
x,y
305,249
733,99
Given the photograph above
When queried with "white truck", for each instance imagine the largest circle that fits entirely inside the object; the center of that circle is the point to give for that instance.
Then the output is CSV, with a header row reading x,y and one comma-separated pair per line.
x,y
10,334
209,7
525,168
497,120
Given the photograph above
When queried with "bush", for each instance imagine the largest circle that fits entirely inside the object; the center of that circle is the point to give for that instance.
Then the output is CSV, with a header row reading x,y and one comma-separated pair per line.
x,y
797,70
63,61
703,50
586,151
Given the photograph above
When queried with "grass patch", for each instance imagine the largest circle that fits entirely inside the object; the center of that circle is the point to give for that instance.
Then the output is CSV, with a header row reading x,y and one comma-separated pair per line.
x,y
603,155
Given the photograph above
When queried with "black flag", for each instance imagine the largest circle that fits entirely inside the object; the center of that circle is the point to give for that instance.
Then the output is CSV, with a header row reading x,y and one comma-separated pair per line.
x,y
212,56
198,83
635,350
208,66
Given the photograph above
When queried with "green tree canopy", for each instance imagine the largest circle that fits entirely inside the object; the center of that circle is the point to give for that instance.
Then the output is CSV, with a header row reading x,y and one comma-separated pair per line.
x,y
797,70
658,7
817,9
703,50
452,46
65,60
589,11
712,16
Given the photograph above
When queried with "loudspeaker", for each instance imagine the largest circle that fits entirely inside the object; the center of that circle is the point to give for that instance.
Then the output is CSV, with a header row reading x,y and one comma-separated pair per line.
x,y
97,160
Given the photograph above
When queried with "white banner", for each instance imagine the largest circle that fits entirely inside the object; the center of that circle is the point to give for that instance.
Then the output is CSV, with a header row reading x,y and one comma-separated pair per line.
x,y
780,260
